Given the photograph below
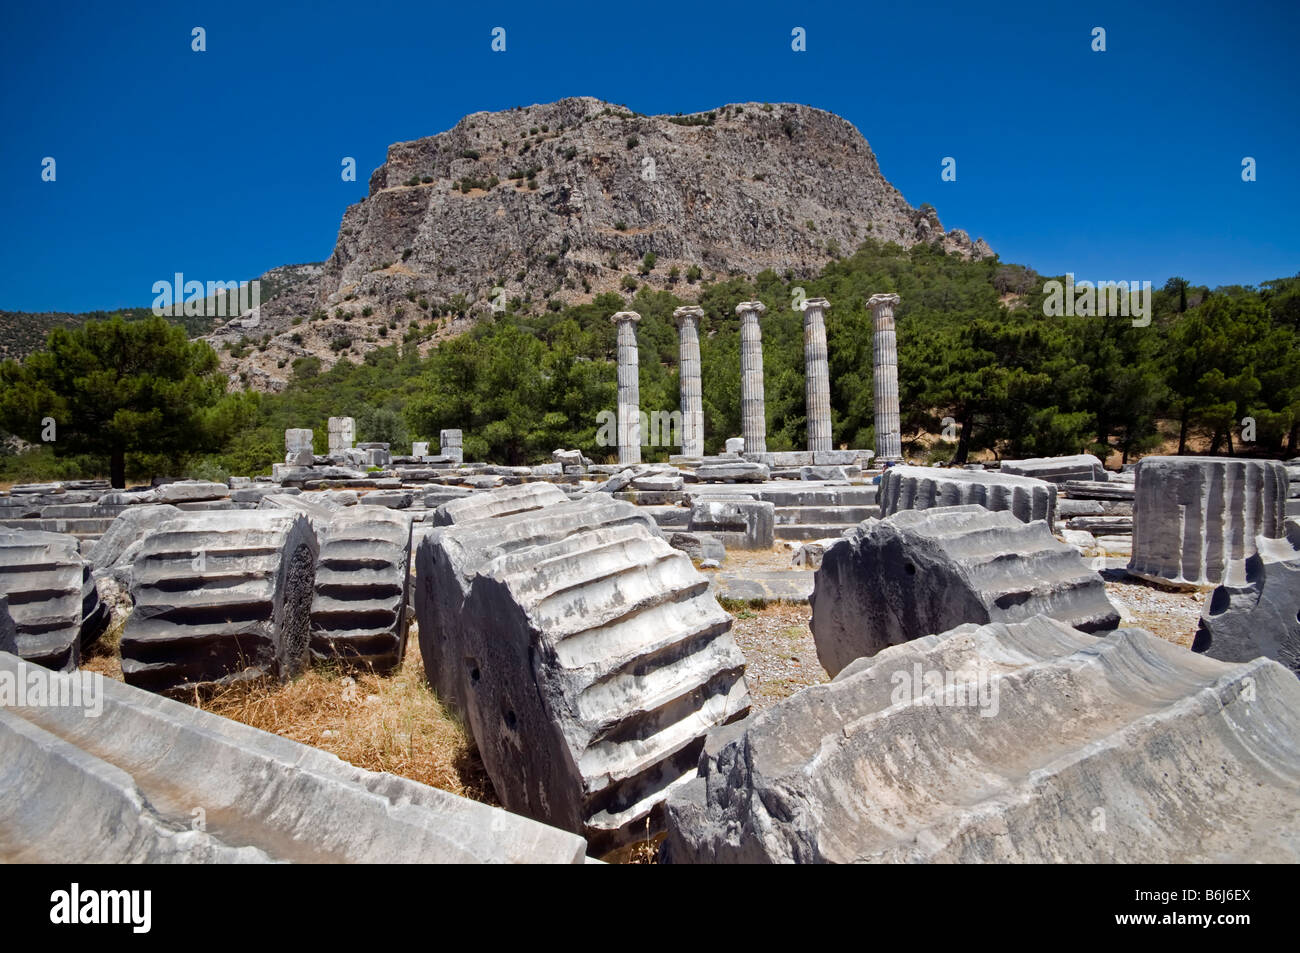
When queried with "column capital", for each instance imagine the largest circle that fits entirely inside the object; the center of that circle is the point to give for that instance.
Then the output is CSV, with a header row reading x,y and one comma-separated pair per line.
x,y
687,311
746,307
877,301
622,317
820,303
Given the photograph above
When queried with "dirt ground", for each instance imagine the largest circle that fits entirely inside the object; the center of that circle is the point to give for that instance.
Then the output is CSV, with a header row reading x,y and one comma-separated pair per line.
x,y
781,656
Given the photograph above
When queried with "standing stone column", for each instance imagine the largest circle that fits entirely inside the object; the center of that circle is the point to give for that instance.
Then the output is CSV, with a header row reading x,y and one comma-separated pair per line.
x,y
342,432
629,388
753,422
817,374
889,444
688,336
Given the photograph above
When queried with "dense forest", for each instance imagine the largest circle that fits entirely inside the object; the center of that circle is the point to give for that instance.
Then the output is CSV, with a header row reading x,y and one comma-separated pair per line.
x,y
978,362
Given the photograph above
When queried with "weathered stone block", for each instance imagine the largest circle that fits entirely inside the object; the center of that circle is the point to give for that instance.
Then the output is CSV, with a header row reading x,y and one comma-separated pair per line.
x,y
587,656
1080,466
297,440
1005,743
925,571
836,474
114,553
738,523
1118,487
505,501
393,499
920,488
740,472
699,546
735,445
217,595
1195,519
659,483
53,601
189,491
1261,617
809,555
111,790
342,433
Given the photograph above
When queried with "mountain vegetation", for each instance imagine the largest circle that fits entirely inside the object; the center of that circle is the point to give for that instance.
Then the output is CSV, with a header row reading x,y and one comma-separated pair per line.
x,y
982,371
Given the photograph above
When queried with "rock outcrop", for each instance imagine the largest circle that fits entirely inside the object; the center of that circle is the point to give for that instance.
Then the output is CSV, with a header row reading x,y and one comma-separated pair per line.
x,y
925,571
1011,743
219,596
561,200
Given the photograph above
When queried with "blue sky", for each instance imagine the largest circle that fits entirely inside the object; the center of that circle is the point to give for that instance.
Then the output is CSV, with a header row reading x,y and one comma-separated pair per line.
x,y
1117,165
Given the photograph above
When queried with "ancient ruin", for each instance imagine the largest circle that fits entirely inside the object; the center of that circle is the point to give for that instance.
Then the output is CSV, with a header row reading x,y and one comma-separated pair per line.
x,y
342,434
571,614
219,595
817,374
919,572
1195,519
889,448
629,388
123,788
947,749
920,488
587,655
54,604
688,329
753,415
1262,616
362,581
1080,466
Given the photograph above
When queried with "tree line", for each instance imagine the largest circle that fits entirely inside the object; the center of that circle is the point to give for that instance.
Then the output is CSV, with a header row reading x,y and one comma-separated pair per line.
x,y
979,362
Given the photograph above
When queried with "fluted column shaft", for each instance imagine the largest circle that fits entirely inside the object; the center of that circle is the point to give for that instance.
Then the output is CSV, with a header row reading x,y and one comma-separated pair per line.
x,y
817,375
688,364
753,422
629,388
889,446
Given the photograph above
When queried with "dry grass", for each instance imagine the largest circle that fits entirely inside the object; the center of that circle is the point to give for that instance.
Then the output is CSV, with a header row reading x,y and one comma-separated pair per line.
x,y
390,723
105,656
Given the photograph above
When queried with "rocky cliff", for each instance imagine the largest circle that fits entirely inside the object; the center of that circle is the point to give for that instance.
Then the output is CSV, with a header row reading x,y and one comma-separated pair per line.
x,y
560,202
